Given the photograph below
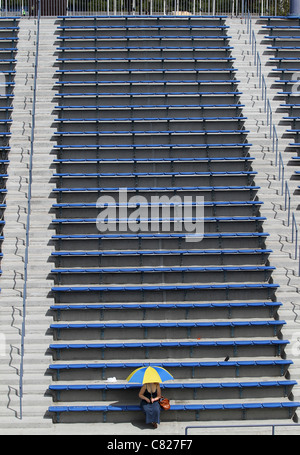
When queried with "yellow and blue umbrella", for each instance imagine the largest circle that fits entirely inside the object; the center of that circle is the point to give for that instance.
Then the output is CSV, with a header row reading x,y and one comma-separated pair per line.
x,y
146,375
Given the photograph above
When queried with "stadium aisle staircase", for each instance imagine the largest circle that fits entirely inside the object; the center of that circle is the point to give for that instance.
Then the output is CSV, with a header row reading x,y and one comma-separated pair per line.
x,y
283,36
151,104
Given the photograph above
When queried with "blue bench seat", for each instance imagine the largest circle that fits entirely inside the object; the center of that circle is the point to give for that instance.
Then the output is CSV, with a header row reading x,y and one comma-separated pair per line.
x,y
156,146
152,344
145,306
8,96
290,406
106,367
293,117
284,48
70,39
205,204
290,105
124,17
8,49
165,325
185,309
9,38
166,83
192,219
129,47
177,385
286,81
145,26
147,106
162,252
163,269
159,236
281,27
275,38
288,94
171,364
137,94
193,388
147,70
152,160
110,59
151,132
7,60
151,288
285,70
284,59
212,189
150,119
4,30
157,174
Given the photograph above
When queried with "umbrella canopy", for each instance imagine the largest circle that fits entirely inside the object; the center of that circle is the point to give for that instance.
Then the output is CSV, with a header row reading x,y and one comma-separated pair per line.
x,y
146,375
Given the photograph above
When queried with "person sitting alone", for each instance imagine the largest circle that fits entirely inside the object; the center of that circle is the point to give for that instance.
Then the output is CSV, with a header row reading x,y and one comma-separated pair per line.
x,y
150,395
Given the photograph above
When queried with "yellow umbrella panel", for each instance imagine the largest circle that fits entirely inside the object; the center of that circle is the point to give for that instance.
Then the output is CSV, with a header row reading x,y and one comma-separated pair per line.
x,y
146,375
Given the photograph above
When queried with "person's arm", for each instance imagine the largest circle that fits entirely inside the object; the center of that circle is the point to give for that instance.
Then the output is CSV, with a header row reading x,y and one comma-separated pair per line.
x,y
158,391
142,396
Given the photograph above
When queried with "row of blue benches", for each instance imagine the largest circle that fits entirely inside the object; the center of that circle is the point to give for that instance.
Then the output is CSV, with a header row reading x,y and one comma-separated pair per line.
x,y
189,324
131,47
137,189
161,236
194,70
177,385
10,39
178,407
147,106
169,344
166,306
165,287
158,26
153,146
194,389
154,160
237,365
150,82
184,310
207,219
149,174
148,59
148,94
129,38
152,132
159,203
162,252
158,118
162,269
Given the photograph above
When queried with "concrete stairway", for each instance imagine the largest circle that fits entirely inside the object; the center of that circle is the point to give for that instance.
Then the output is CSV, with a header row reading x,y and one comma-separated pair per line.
x,y
280,240
12,281
35,362
37,340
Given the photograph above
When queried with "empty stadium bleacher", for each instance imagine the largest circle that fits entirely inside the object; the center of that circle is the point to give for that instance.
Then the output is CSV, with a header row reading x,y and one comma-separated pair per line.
x,y
152,104
8,48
